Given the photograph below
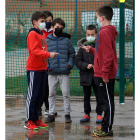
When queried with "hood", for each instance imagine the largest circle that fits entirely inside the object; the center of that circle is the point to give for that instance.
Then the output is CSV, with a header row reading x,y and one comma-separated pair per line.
x,y
81,42
111,29
34,29
50,36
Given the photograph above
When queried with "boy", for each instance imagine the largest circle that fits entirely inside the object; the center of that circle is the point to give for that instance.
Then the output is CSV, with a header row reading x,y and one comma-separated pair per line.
x,y
105,68
36,71
84,61
48,30
59,68
49,18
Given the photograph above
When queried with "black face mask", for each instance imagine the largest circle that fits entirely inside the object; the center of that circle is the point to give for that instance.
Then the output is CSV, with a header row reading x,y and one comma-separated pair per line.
x,y
58,31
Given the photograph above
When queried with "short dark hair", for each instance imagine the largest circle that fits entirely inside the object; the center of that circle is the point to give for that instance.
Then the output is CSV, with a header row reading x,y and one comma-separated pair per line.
x,y
48,14
59,21
106,11
91,27
37,15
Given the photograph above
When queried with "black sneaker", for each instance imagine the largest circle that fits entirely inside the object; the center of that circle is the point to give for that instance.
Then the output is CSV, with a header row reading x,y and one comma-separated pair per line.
x,y
55,113
68,118
50,118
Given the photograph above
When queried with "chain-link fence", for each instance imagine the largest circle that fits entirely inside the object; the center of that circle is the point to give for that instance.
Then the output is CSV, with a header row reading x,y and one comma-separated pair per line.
x,y
77,14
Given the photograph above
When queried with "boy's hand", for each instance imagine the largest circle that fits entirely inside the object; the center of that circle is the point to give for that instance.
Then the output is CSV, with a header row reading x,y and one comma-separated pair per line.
x,y
87,48
106,80
53,54
89,66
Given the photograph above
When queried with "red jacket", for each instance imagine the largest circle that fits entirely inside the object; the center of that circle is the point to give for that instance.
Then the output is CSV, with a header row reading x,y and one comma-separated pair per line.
x,y
105,61
46,33
38,54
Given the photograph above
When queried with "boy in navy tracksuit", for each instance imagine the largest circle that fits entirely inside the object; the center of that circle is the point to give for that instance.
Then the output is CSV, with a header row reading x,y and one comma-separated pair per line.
x,y
105,68
36,71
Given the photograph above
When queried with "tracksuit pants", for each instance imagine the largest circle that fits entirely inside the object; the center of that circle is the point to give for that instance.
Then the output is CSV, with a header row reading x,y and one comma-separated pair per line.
x,y
46,94
106,95
36,89
87,94
64,81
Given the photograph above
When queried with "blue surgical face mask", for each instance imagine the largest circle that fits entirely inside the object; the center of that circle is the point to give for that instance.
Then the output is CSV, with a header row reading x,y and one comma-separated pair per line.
x,y
48,25
99,23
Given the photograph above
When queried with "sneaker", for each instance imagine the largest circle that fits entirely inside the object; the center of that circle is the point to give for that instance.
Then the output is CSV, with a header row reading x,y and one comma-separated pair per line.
x,y
86,118
46,112
97,130
101,133
55,114
39,124
68,118
30,125
50,118
99,119
31,133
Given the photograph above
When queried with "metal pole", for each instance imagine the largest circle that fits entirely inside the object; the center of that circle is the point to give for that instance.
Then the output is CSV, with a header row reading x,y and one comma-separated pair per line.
x,y
122,48
134,49
76,21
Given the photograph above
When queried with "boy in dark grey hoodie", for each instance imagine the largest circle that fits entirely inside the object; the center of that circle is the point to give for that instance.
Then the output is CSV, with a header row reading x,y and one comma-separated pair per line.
x,y
84,62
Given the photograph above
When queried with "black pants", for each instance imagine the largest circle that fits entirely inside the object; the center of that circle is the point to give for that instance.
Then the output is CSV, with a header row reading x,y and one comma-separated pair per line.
x,y
87,94
46,94
106,95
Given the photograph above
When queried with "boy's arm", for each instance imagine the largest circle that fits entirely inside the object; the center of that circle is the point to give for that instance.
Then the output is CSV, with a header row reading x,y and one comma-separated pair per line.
x,y
107,53
89,49
33,43
92,50
79,61
71,55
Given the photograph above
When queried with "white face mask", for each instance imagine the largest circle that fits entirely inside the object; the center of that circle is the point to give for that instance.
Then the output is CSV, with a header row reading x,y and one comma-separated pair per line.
x,y
42,26
90,39
99,23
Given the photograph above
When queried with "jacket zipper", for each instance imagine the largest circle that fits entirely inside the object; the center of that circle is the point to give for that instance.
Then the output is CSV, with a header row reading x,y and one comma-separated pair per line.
x,y
58,57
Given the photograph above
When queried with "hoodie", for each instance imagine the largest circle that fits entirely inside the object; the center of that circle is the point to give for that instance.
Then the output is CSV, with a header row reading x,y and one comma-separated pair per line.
x,y
105,61
37,48
47,32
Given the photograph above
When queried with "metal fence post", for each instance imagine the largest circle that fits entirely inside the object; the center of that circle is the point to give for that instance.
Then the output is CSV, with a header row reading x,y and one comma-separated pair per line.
x,y
76,19
122,48
134,48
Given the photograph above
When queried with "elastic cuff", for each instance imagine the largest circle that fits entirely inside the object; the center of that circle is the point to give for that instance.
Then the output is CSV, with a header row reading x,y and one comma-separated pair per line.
x,y
47,54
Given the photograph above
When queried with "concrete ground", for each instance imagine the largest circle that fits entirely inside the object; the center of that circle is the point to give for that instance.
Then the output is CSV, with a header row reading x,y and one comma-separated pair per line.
x,y
123,127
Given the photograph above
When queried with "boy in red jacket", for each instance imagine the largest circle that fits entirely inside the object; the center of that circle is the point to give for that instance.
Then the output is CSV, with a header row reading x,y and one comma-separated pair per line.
x,y
36,71
49,18
105,68
48,30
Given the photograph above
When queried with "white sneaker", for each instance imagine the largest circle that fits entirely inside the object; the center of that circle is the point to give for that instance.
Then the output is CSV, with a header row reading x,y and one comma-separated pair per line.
x,y
46,112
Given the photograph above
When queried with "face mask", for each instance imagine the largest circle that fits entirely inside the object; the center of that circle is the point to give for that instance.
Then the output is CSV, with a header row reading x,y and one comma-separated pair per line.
x,y
58,31
42,26
48,25
99,23
90,39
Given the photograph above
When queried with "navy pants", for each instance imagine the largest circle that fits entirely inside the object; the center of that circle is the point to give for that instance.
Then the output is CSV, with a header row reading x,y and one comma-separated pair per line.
x,y
36,89
46,94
